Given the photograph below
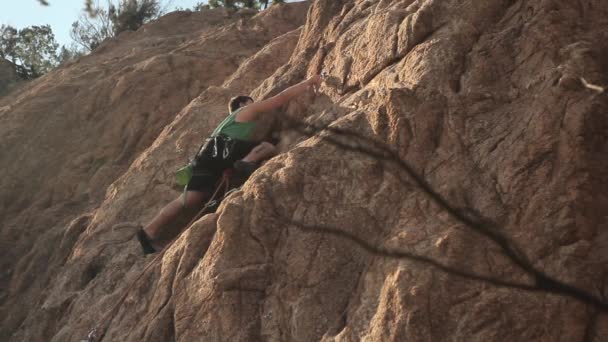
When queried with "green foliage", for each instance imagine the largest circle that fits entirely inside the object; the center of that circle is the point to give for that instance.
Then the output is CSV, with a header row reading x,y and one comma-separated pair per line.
x,y
37,49
9,36
132,14
201,6
68,53
98,23
222,3
250,3
234,4
32,50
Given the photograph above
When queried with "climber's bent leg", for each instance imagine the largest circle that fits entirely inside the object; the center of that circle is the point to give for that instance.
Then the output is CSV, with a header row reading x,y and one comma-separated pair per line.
x,y
170,213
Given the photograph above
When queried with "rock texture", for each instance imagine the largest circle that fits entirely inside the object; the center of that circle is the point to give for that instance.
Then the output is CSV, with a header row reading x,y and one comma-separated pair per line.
x,y
483,99
70,134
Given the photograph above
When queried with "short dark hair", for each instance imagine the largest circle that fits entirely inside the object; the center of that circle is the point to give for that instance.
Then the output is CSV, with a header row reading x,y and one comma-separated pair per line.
x,y
237,101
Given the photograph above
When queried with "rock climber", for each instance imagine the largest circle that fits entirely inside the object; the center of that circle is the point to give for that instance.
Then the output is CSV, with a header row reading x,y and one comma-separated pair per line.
x,y
230,146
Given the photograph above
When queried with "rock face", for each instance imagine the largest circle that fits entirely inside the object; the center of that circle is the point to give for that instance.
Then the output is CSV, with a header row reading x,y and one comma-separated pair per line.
x,y
69,135
482,99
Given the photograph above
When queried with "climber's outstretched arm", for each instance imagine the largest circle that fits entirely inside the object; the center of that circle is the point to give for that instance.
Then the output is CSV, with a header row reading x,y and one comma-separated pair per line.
x,y
251,112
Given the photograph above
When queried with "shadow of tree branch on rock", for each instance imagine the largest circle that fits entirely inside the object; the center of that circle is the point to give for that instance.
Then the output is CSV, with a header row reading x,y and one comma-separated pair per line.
x,y
353,141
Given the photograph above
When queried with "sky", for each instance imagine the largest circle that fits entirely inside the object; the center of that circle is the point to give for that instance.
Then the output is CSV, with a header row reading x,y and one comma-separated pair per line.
x,y
60,14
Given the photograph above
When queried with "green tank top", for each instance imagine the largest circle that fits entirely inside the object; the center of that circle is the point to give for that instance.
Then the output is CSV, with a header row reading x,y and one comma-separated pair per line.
x,y
233,129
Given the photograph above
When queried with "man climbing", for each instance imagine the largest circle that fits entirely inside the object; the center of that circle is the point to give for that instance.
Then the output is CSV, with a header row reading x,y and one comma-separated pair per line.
x,y
230,146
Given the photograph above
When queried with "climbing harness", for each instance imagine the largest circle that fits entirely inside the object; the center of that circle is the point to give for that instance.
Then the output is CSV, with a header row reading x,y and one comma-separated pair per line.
x,y
217,150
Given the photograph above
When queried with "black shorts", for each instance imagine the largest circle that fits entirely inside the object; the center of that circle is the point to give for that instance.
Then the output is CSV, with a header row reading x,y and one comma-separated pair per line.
x,y
215,156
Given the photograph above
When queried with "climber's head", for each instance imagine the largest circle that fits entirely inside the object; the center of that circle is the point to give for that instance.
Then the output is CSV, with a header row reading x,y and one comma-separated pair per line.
x,y
238,102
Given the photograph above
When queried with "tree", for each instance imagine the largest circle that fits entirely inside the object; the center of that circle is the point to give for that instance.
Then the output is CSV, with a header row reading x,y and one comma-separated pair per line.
x,y
32,50
201,6
92,29
98,23
222,3
132,14
9,36
37,49
234,4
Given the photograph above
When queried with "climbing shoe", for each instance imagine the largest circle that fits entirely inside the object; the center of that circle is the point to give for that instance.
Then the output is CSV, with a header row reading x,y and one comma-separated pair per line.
x,y
145,242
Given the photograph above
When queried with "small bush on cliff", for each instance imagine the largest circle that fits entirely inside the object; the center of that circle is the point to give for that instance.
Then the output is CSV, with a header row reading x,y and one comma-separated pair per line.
x,y
132,14
257,4
88,32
